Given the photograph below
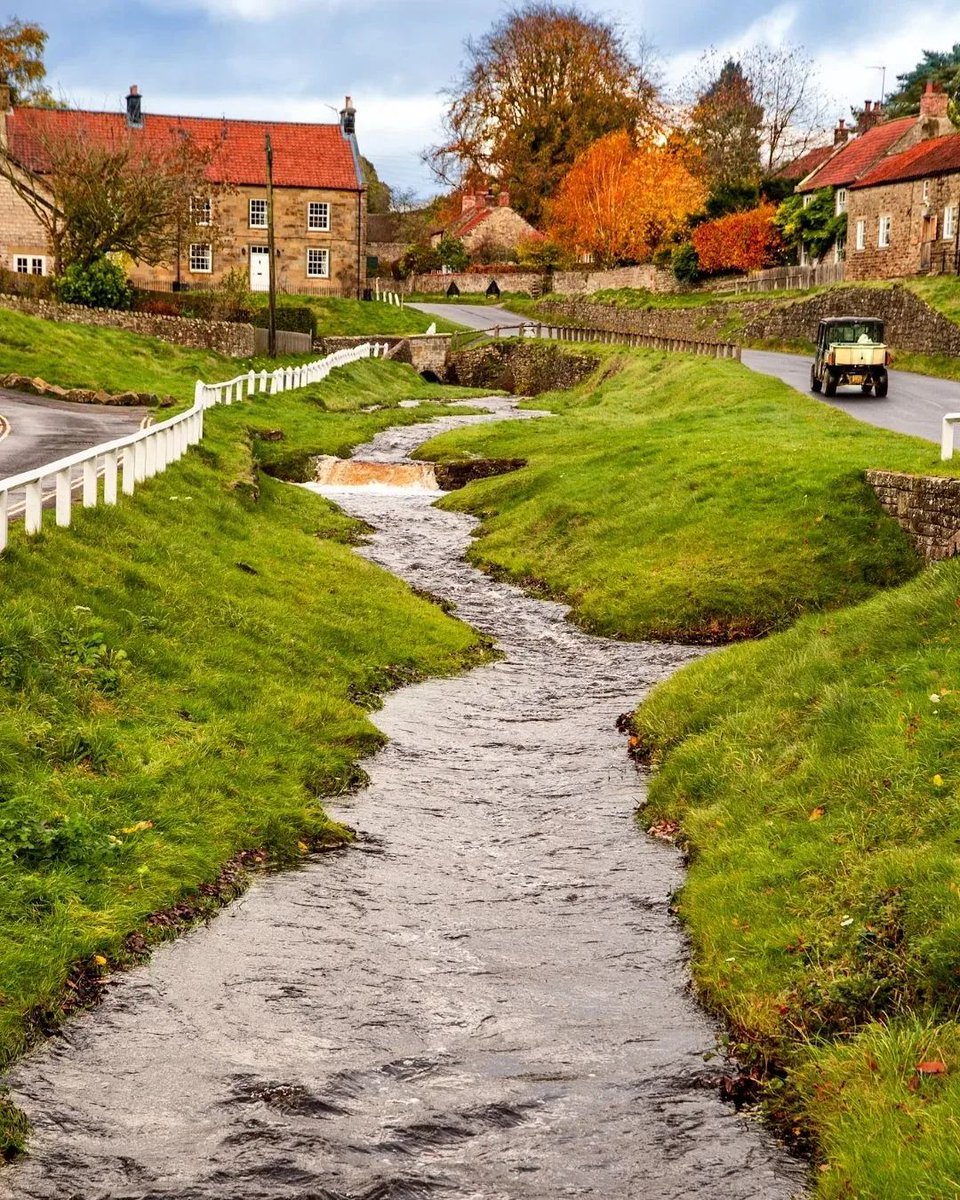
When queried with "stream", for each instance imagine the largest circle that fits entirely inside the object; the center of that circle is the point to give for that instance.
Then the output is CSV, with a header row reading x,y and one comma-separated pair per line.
x,y
486,998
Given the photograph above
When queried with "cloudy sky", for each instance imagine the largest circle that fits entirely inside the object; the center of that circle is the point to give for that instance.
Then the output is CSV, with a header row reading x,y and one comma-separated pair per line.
x,y
296,59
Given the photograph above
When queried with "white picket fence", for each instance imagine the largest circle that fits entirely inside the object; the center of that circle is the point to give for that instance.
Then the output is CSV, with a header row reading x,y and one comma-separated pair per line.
x,y
124,463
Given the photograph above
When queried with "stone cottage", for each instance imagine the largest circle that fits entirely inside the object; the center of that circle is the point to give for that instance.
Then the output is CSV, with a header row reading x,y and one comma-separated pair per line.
x,y
487,226
319,196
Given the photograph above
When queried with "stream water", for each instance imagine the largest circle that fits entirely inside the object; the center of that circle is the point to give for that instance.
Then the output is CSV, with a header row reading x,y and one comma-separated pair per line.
x,y
487,997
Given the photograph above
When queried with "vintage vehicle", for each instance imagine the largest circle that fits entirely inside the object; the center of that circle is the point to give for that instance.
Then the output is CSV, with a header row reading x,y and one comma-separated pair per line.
x,y
850,352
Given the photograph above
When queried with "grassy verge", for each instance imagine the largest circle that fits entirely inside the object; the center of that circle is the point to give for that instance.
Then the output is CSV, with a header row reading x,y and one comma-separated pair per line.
x,y
941,292
815,778
184,677
739,503
347,317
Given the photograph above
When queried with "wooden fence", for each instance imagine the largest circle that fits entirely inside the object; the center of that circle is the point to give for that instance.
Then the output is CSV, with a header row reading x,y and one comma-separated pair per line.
x,y
288,341
607,337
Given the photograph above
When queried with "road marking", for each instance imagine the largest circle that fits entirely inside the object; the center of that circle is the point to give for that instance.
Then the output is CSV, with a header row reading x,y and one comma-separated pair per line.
x,y
4,428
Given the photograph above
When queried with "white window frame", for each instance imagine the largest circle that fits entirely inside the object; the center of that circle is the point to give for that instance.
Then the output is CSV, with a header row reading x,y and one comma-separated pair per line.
x,y
840,248
33,264
884,230
950,222
324,254
261,204
861,233
201,210
841,201
807,200
197,254
318,216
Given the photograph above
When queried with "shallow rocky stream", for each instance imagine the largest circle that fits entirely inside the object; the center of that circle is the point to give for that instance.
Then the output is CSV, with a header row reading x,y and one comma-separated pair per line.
x,y
487,997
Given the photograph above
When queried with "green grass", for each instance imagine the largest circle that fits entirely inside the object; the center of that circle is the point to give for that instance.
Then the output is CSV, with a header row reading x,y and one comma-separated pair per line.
x,y
186,676
688,498
815,777
941,292
347,317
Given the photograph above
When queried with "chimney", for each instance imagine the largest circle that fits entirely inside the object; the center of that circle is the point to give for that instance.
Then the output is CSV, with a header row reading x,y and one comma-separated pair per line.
x,y
933,102
468,201
134,111
504,199
871,115
841,134
348,118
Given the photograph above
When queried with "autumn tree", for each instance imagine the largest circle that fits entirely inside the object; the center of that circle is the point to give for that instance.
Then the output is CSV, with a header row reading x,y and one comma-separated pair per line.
x,y
21,62
725,123
743,241
537,90
619,200
111,193
936,66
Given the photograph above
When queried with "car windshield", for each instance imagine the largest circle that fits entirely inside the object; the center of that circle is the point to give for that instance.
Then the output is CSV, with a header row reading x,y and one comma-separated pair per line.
x,y
855,331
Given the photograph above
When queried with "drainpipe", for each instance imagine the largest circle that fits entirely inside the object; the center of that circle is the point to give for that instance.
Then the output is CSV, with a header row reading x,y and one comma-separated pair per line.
x,y
359,243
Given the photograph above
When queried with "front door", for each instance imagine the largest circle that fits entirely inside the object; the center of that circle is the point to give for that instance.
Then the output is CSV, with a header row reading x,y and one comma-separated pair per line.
x,y
259,268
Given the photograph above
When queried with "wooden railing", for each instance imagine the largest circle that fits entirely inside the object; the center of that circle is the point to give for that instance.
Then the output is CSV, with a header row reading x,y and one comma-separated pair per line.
x,y
130,460
608,337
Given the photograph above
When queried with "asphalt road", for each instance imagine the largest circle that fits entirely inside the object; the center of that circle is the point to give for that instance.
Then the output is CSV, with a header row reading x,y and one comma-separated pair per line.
x,y
915,403
473,316
41,430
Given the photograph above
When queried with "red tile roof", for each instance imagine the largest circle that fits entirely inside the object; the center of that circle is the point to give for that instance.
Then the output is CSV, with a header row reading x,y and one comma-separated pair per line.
x,y
801,167
309,156
859,155
932,157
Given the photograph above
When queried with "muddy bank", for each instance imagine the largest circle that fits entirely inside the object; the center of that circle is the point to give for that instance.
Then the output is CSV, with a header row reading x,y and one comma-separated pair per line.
x,y
486,997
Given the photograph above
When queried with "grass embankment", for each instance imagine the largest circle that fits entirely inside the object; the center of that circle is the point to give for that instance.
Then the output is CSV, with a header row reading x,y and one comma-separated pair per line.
x,y
184,677
348,317
687,498
814,775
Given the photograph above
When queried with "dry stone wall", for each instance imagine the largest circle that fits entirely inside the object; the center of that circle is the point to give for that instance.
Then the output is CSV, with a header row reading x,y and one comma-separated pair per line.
x,y
926,506
911,324
523,368
225,337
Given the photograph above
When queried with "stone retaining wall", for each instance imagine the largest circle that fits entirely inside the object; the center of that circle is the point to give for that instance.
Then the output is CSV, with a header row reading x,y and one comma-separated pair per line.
x,y
926,506
911,324
646,276
225,337
523,368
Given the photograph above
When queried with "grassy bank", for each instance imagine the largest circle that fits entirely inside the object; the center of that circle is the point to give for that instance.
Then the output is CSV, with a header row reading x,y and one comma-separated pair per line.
x,y
687,498
184,678
815,778
346,317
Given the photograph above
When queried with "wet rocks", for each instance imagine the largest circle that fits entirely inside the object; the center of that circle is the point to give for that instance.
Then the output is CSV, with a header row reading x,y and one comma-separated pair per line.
x,y
36,386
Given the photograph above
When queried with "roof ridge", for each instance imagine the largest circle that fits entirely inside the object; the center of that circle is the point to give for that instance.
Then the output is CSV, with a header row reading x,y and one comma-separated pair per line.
x,y
120,115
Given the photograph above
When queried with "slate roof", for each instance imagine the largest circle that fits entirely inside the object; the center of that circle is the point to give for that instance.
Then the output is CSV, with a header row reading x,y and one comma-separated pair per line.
x,y
858,156
932,157
307,156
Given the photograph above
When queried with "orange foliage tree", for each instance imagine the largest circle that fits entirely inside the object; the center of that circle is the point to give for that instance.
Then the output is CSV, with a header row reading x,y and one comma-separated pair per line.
x,y
619,201
743,241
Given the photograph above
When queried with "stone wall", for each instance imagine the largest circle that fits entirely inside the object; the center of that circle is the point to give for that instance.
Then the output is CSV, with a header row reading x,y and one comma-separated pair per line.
x,y
645,276
523,368
926,506
566,283
425,352
910,323
224,337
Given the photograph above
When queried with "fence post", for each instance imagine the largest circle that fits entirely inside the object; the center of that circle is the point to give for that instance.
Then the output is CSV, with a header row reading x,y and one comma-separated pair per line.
x,y
129,469
946,435
33,507
198,392
90,483
4,520
63,497
110,477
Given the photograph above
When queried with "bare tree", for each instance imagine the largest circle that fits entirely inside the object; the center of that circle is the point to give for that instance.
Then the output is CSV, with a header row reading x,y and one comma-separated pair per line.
x,y
104,193
786,85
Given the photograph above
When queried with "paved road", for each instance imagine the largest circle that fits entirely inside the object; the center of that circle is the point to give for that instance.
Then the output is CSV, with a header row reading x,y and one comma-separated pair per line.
x,y
473,316
915,403
42,430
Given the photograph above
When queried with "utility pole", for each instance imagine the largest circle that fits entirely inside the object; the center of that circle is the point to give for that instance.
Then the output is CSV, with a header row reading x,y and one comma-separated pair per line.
x,y
271,280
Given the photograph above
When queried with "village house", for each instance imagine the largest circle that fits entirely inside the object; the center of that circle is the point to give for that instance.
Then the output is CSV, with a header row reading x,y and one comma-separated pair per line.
x,y
857,159
319,196
488,227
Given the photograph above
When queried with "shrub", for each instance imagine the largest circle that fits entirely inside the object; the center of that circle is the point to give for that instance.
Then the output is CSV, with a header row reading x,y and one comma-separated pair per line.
x,y
34,287
100,284
742,241
418,259
686,264
452,253
295,318
542,254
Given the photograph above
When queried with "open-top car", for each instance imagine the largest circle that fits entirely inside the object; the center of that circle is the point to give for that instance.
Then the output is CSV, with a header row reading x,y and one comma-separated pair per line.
x,y
851,352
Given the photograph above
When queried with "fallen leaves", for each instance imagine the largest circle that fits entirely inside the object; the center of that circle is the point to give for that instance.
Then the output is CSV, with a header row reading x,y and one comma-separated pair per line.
x,y
817,813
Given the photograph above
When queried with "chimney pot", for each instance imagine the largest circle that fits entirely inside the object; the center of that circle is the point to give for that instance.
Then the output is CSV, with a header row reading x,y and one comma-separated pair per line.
x,y
504,199
134,108
348,117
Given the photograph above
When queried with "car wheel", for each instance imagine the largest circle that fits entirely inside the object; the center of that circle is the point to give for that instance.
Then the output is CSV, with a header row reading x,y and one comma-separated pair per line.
x,y
866,388
830,385
816,383
881,387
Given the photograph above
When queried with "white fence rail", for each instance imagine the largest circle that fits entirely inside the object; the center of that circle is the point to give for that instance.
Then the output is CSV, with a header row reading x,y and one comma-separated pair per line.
x,y
130,460
946,435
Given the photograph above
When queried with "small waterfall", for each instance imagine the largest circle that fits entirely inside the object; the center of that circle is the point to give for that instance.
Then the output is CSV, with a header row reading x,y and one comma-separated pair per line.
x,y
350,472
